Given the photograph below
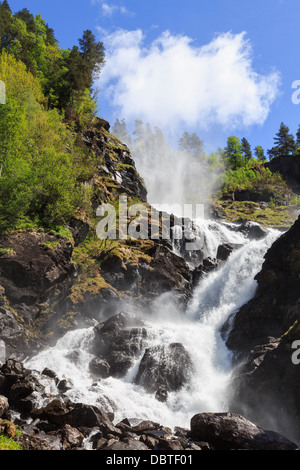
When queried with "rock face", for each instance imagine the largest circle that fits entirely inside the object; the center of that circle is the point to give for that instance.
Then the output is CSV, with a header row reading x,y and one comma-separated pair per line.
x,y
266,381
33,269
289,168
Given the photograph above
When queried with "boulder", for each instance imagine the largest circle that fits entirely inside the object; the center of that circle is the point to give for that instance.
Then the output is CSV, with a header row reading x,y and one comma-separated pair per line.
x,y
117,343
229,431
165,367
76,415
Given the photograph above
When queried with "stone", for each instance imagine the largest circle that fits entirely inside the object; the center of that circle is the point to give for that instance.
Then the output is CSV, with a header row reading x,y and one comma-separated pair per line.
x,y
229,431
167,366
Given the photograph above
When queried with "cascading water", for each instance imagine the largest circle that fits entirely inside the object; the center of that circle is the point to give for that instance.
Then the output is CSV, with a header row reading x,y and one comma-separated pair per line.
x,y
215,299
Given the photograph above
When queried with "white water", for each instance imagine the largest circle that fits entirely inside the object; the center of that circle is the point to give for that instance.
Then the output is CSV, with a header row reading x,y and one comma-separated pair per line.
x,y
218,296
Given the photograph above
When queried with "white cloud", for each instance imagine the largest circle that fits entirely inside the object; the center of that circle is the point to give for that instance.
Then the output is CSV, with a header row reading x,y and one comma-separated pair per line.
x,y
108,9
173,81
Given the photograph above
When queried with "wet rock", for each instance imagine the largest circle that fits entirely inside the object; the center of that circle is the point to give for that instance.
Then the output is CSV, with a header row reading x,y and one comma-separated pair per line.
x,y
207,266
229,431
31,442
4,406
76,415
127,444
166,367
253,231
116,344
70,437
172,445
99,367
224,251
161,394
49,373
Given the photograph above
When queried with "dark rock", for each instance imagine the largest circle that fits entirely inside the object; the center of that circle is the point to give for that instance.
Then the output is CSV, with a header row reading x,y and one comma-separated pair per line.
x,y
63,386
228,431
224,251
49,373
70,437
172,445
76,415
207,266
289,168
100,444
161,394
253,231
20,389
79,229
99,367
116,344
30,442
144,426
167,367
127,444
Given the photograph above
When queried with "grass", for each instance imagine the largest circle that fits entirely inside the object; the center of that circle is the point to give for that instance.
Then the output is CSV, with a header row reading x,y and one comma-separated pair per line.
x,y
7,443
268,215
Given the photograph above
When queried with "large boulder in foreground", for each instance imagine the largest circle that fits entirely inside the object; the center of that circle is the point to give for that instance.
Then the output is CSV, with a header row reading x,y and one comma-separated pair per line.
x,y
228,431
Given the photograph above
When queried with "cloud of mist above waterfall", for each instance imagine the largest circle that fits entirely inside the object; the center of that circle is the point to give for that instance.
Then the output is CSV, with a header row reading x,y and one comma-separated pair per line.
x,y
173,82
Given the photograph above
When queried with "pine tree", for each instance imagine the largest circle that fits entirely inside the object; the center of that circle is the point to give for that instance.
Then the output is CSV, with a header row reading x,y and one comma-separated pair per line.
x,y
284,142
92,54
298,138
246,149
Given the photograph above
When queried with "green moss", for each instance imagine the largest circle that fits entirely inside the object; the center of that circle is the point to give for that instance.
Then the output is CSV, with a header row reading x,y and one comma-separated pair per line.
x,y
266,215
7,443
7,251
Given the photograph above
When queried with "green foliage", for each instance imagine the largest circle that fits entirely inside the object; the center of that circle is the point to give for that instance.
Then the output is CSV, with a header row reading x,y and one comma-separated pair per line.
x,y
259,154
41,165
63,74
6,443
233,153
284,143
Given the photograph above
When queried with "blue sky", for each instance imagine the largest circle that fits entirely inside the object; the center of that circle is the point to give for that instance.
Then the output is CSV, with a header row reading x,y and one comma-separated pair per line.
x,y
204,75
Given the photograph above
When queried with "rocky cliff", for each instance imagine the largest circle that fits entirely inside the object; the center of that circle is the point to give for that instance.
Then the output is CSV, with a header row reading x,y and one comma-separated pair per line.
x,y
289,168
266,381
55,279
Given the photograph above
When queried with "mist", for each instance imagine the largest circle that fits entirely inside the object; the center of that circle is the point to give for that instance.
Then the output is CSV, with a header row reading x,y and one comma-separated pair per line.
x,y
174,174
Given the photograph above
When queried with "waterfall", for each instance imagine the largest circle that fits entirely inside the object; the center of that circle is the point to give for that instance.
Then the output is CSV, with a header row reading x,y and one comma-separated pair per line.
x,y
219,295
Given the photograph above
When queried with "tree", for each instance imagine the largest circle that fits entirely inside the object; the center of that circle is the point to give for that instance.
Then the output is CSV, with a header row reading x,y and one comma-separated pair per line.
x,y
284,143
5,25
246,149
92,54
120,130
259,154
233,153
298,138
191,144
